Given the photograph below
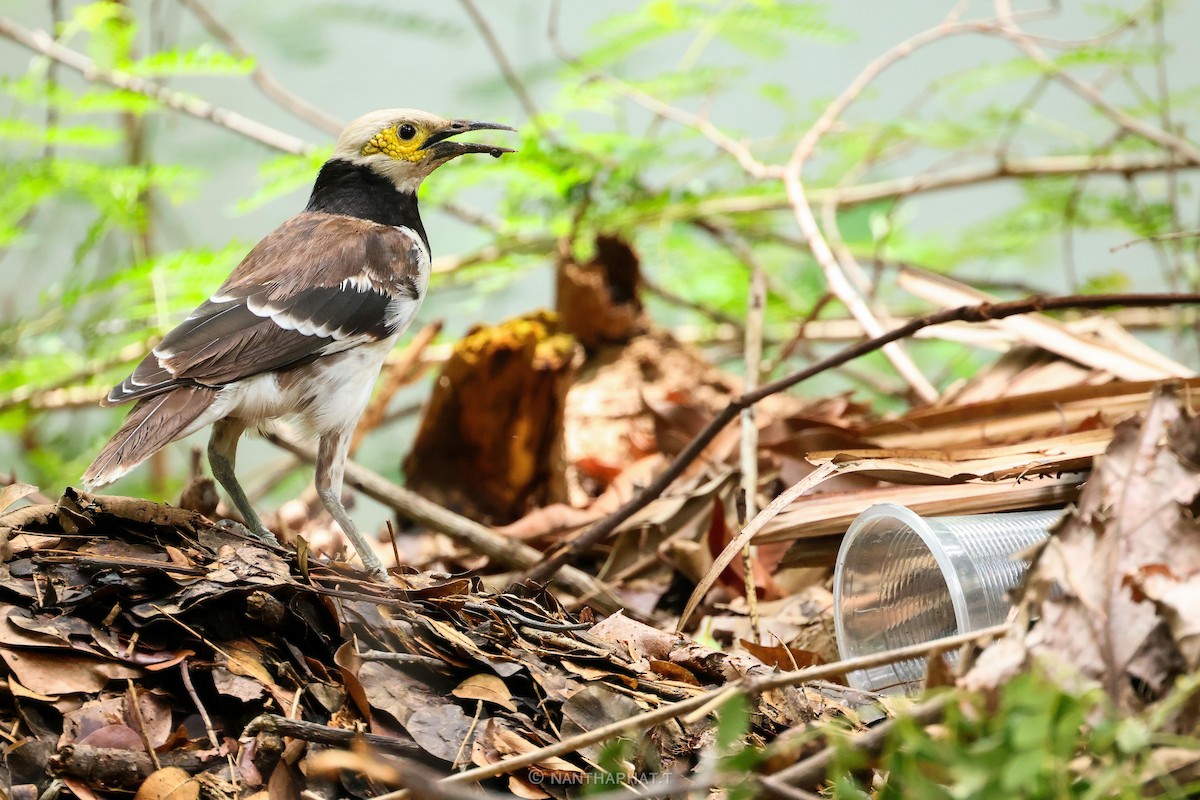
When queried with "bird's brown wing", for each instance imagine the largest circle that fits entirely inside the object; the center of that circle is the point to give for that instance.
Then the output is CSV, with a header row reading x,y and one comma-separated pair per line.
x,y
318,285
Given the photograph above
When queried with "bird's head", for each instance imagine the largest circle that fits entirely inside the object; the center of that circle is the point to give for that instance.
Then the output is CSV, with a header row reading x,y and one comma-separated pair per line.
x,y
405,145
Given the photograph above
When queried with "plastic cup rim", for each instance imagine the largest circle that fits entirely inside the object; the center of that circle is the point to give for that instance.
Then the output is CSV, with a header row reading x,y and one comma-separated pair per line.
x,y
918,524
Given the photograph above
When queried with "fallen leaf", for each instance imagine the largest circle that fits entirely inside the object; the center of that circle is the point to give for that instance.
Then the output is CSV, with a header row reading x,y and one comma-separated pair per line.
x,y
63,672
13,492
488,688
442,731
169,783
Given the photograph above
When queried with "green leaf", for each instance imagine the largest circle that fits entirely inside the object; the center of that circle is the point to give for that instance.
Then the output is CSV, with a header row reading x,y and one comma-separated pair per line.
x,y
202,60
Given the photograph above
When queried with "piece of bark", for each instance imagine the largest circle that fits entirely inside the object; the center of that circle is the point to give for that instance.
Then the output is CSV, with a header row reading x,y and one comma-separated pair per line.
x,y
598,301
490,441
114,768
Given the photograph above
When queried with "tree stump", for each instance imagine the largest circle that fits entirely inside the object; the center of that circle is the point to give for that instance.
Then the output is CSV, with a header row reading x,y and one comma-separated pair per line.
x,y
490,441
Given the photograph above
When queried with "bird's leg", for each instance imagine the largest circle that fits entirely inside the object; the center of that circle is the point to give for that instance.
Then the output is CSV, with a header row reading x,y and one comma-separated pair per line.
x,y
222,454
331,465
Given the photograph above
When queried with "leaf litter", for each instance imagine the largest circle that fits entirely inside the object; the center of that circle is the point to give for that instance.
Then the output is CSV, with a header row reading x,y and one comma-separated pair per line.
x,y
142,644
146,648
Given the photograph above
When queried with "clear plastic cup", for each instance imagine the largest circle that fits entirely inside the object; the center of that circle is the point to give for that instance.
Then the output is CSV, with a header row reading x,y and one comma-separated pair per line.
x,y
902,579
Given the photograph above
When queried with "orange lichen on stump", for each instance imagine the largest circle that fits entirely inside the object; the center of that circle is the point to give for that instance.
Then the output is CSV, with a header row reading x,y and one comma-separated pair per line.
x,y
490,441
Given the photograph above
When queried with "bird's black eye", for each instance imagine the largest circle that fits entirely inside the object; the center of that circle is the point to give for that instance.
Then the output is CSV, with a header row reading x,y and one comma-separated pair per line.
x,y
406,131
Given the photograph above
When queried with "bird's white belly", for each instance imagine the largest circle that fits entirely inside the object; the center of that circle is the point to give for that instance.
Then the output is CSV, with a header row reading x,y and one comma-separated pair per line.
x,y
326,395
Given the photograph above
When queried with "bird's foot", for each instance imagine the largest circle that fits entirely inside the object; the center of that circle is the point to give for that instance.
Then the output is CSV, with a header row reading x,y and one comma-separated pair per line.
x,y
260,533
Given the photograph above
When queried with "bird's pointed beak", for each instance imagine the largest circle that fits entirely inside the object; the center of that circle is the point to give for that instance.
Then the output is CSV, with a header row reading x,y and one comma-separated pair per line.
x,y
444,149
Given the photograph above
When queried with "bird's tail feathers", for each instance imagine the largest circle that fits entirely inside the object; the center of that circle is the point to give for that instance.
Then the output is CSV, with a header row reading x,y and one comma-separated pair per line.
x,y
152,424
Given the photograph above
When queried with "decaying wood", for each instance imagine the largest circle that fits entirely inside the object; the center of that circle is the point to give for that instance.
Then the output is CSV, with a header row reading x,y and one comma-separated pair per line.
x,y
123,769
598,301
490,440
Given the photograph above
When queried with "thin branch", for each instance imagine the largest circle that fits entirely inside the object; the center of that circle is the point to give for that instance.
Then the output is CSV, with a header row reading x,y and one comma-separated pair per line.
x,y
835,274
1161,237
506,68
41,42
1007,28
286,99
984,312
733,147
1020,168
851,196
752,352
325,734
744,687
480,538
743,540
810,772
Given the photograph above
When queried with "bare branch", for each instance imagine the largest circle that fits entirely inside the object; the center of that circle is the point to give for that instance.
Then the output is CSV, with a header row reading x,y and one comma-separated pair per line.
x,y
739,151
480,538
41,42
745,687
506,68
286,99
984,312
1161,237
1007,27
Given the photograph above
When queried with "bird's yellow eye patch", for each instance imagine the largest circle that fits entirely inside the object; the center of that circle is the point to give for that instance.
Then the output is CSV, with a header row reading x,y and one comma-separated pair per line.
x,y
389,142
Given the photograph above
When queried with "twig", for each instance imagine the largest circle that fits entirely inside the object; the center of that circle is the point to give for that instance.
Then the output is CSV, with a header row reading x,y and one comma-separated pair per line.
x,y
745,686
739,151
746,536
852,196
114,767
479,538
756,307
1161,237
775,787
42,42
1007,28
810,772
506,68
978,313
923,183
136,711
835,275
667,296
186,675
272,88
325,734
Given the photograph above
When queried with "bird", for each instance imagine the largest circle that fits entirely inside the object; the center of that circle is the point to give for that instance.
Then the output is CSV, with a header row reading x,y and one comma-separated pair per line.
x,y
302,326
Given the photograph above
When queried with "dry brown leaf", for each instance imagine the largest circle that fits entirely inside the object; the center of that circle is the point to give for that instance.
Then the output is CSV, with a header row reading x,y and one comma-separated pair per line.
x,y
245,658
13,492
507,743
1134,536
488,688
393,691
63,672
239,687
593,707
443,731
784,658
118,737
169,783
525,788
